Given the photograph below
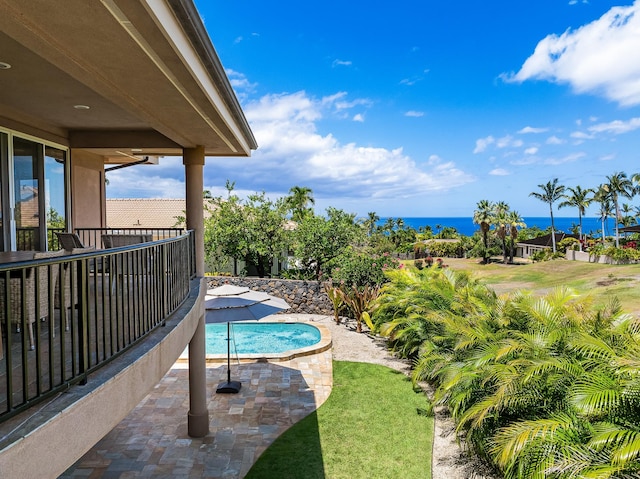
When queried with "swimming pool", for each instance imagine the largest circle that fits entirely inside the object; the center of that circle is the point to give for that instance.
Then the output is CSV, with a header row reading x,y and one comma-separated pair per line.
x,y
261,338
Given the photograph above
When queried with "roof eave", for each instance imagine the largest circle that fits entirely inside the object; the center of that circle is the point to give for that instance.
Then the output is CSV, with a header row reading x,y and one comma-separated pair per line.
x,y
191,22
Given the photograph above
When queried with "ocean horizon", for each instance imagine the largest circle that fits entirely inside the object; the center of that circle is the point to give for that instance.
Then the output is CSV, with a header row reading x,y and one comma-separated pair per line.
x,y
464,224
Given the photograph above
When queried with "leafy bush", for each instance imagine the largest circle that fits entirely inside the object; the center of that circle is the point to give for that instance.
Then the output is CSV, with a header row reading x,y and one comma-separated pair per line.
x,y
361,269
298,273
570,243
448,249
622,254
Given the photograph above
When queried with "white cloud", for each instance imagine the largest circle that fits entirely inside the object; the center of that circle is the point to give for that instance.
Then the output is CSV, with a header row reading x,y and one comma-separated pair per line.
x,y
607,157
529,160
483,143
237,40
616,127
602,57
358,117
341,63
414,113
581,135
531,151
164,180
554,140
531,129
508,142
240,83
499,172
565,159
346,105
292,151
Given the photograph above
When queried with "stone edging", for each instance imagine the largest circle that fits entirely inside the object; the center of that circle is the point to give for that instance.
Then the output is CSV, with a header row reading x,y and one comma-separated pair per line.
x,y
302,296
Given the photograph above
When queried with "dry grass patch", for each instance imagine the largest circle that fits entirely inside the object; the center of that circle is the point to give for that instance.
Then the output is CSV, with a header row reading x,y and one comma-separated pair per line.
x,y
600,281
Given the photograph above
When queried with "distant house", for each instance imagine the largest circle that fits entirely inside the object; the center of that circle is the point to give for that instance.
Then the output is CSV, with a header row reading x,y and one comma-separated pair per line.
x,y
526,248
630,229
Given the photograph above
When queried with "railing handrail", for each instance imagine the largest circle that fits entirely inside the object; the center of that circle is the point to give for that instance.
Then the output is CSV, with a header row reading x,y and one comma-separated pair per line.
x,y
97,304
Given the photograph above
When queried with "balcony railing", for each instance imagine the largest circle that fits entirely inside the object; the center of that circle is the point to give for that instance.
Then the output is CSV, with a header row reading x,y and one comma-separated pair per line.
x,y
64,317
27,237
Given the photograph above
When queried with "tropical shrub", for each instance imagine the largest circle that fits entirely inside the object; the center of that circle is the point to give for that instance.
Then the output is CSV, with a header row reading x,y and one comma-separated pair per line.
x,y
569,243
445,249
336,298
361,269
541,387
360,301
622,254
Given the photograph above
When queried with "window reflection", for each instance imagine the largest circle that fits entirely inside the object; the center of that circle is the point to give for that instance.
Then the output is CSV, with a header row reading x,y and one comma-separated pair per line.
x,y
26,193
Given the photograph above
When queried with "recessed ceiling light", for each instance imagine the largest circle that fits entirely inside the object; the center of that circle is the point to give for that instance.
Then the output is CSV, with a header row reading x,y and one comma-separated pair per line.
x,y
81,107
4,66
136,150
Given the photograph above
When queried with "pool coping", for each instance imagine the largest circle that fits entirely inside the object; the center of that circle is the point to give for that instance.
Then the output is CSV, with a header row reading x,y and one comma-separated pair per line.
x,y
324,344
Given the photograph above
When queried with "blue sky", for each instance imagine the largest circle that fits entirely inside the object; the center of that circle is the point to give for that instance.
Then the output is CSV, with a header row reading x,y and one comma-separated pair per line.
x,y
422,108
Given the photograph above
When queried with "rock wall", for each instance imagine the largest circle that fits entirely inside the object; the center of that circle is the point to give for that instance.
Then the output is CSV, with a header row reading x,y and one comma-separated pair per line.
x,y
303,296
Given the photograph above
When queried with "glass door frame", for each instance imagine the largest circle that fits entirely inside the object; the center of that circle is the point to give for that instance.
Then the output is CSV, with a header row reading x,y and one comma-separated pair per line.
x,y
8,199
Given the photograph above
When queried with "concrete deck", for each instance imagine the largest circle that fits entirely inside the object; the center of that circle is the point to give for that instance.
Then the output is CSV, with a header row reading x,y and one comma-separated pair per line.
x,y
152,442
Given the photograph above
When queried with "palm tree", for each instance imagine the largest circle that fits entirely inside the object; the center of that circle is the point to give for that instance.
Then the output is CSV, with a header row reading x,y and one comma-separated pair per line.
x,y
483,216
370,222
514,221
551,192
298,201
619,185
580,199
501,209
628,219
603,196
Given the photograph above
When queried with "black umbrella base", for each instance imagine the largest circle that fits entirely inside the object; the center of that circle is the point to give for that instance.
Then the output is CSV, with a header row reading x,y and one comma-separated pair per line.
x,y
229,387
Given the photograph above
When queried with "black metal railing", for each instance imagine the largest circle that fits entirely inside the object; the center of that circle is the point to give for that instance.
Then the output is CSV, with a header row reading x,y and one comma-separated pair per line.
x,y
64,317
93,236
27,238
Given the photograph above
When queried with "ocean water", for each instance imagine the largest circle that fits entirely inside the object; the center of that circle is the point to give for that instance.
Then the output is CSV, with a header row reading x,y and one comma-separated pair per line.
x,y
465,225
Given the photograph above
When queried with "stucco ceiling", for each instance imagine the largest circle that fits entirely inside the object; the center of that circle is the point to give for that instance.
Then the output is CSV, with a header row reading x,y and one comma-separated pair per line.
x,y
145,68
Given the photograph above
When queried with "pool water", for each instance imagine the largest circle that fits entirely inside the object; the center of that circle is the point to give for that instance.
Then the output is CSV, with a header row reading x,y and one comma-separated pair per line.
x,y
256,337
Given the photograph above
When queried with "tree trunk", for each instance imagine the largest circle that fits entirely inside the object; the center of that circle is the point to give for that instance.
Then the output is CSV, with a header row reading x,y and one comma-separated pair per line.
x,y
553,231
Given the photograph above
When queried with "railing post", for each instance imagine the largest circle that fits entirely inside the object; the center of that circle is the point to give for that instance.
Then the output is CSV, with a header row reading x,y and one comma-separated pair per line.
x,y
83,326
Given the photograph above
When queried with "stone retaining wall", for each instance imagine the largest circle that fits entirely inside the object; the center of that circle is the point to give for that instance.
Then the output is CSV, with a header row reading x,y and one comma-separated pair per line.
x,y
303,296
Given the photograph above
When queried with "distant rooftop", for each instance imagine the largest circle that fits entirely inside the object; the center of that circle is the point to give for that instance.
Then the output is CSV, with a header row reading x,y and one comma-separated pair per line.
x,y
144,212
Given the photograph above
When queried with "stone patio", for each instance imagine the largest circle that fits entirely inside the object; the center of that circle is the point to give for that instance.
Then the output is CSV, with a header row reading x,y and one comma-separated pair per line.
x,y
152,440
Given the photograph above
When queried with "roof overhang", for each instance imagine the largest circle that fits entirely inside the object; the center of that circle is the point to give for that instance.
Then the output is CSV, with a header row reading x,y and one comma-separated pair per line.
x,y
146,70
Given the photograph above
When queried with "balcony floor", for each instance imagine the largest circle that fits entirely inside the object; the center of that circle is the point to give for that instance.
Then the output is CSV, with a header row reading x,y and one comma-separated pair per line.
x,y
152,440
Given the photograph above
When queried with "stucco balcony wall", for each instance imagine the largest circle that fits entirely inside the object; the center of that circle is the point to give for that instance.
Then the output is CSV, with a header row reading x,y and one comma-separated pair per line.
x,y
50,440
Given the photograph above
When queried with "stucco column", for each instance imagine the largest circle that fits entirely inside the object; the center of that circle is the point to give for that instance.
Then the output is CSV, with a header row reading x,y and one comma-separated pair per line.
x,y
198,417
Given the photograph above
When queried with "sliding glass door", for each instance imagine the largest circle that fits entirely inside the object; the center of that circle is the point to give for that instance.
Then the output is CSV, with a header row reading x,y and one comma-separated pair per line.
x,y
32,193
27,194
5,211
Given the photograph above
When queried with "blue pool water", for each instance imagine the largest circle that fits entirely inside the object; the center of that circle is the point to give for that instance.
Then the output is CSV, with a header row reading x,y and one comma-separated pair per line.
x,y
256,337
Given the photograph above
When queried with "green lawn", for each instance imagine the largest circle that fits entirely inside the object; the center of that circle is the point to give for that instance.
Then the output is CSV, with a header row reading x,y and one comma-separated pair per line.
x,y
372,426
600,281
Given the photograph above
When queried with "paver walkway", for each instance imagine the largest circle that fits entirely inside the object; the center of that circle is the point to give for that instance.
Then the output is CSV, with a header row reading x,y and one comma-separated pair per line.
x,y
152,442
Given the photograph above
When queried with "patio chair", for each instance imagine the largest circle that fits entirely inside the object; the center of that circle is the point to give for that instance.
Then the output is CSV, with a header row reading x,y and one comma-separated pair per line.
x,y
118,240
16,287
72,244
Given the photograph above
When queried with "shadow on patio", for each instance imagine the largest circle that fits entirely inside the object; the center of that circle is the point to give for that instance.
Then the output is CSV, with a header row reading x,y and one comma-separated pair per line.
x,y
153,442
